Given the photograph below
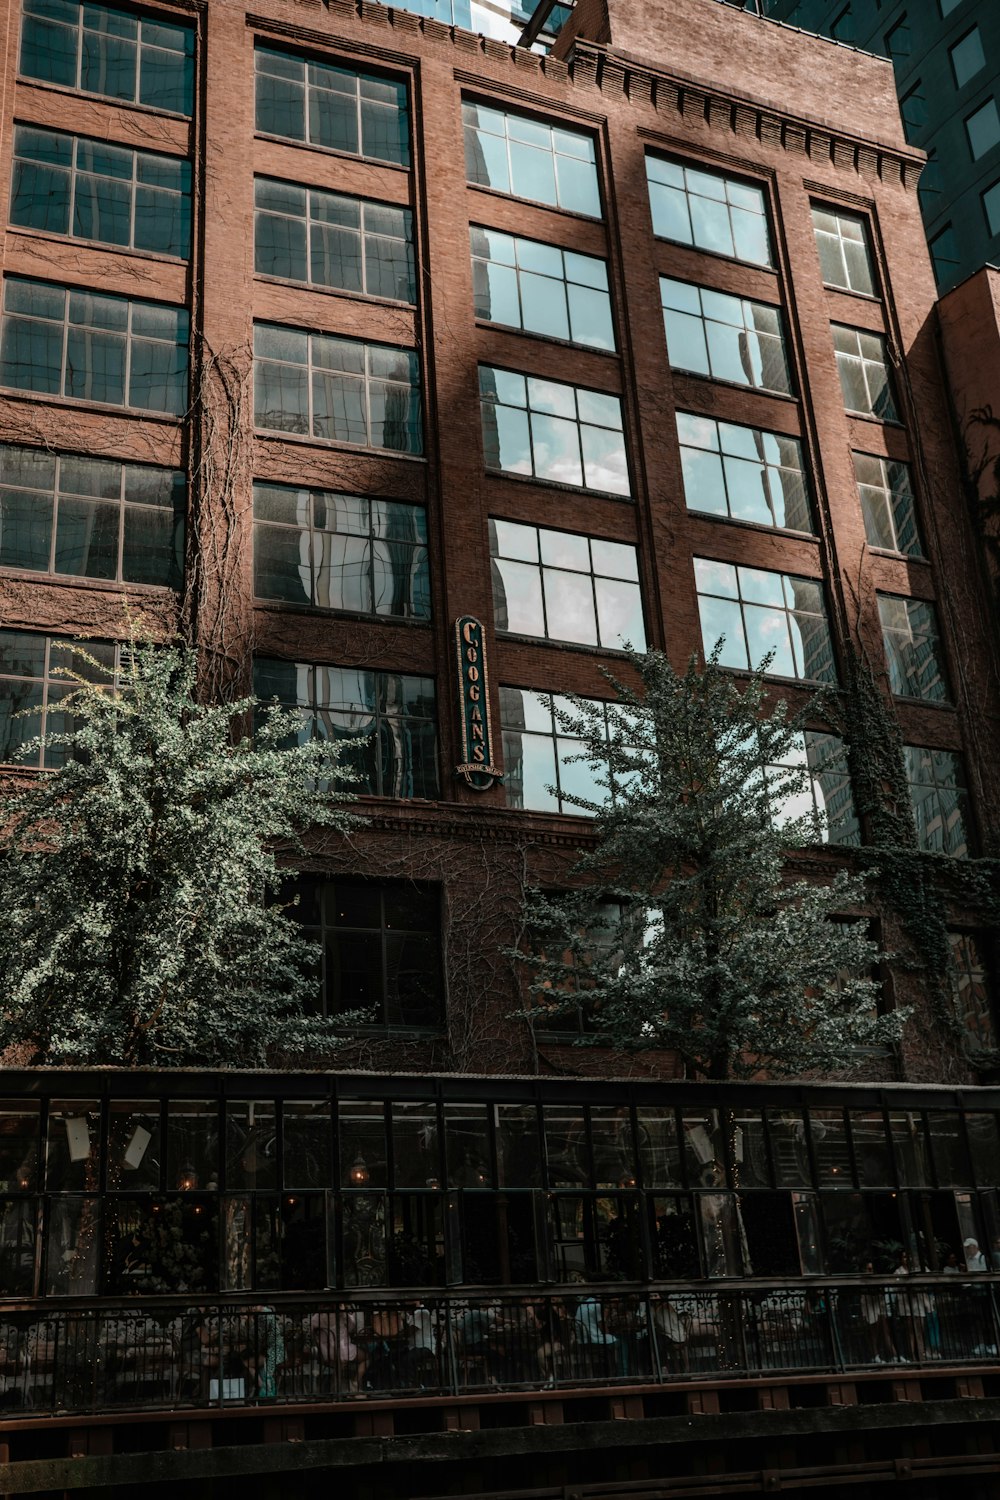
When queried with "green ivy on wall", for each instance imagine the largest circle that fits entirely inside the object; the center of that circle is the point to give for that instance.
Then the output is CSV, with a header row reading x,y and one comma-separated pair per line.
x,y
920,886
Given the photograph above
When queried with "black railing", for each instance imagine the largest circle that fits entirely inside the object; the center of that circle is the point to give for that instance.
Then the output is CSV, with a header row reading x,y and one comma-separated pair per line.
x,y
165,1355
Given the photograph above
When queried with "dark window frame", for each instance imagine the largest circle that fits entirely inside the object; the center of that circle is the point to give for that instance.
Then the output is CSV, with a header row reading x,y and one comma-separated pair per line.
x,y
326,929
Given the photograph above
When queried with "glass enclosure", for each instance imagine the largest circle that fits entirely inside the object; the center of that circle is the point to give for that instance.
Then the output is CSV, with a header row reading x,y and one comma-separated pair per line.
x,y
342,1183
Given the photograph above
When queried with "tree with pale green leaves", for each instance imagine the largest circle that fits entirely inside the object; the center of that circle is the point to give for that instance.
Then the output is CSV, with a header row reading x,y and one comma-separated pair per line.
x,y
684,930
140,919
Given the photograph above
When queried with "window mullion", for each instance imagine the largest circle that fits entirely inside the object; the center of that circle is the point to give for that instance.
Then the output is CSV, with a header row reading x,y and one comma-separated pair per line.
x,y
371,556
309,382
43,757
362,262
55,516
593,591
314,545
120,561
133,199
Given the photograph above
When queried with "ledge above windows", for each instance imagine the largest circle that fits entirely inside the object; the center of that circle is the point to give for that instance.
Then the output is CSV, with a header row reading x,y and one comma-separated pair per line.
x,y
111,53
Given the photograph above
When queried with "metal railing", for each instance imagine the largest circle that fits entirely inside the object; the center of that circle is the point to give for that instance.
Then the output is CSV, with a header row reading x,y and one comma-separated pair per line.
x,y
163,1354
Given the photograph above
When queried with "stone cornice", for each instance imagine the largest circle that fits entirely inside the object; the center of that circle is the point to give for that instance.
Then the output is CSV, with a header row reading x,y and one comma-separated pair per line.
x,y
676,93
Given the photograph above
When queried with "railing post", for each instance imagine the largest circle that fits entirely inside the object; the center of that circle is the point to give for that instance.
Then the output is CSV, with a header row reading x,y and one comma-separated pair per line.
x,y
654,1343
836,1343
449,1335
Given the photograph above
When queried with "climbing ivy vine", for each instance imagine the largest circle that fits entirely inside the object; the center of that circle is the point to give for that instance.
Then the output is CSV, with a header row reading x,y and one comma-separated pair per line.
x,y
919,886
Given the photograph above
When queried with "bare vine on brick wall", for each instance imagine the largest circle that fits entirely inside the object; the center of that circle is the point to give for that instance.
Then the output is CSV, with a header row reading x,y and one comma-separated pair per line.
x,y
218,608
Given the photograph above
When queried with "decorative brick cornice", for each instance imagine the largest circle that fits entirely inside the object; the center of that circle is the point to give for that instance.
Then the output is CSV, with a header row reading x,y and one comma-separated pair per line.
x,y
600,68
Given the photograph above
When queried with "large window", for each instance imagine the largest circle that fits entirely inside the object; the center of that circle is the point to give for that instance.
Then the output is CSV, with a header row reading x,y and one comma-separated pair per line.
x,y
844,256
540,772
826,795
345,552
381,948
729,338
109,52
567,1007
95,191
967,57
330,239
91,517
540,288
33,687
939,798
93,347
339,108
912,648
743,473
864,372
563,587
758,612
552,431
531,159
887,504
338,389
709,211
384,722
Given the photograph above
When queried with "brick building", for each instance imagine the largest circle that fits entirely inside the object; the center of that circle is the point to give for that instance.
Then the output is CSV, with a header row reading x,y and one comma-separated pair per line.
x,y
378,326
946,58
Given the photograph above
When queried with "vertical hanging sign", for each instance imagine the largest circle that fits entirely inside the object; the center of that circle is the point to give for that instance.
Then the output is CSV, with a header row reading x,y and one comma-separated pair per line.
x,y
474,706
